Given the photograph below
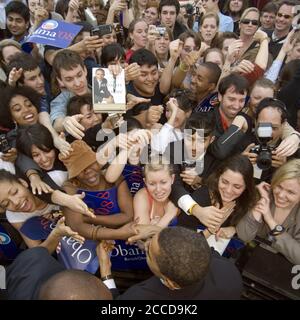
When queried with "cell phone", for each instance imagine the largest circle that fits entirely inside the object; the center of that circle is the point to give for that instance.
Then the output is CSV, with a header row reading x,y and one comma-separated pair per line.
x,y
102,30
4,144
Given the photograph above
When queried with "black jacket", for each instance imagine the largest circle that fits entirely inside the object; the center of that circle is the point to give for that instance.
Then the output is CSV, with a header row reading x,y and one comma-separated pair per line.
x,y
175,151
223,281
231,141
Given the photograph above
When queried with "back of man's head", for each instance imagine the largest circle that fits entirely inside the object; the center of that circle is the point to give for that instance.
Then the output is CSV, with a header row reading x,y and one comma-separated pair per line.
x,y
214,71
184,255
74,285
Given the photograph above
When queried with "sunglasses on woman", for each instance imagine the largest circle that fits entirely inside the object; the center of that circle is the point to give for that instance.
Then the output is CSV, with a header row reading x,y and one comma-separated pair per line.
x,y
248,21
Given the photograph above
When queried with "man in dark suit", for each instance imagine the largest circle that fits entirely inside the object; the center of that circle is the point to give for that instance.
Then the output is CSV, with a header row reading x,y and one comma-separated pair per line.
x,y
101,92
184,268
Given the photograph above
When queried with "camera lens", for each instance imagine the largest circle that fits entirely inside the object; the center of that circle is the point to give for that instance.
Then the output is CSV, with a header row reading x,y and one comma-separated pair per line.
x,y
264,159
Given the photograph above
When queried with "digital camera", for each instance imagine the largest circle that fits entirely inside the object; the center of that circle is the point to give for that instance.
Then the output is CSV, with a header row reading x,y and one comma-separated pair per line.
x,y
161,30
263,150
188,164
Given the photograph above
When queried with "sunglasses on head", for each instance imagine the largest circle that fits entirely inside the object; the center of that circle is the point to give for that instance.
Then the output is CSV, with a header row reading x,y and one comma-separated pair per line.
x,y
247,21
286,16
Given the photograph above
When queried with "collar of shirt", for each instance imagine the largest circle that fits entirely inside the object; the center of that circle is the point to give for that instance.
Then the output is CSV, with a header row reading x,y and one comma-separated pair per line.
x,y
225,124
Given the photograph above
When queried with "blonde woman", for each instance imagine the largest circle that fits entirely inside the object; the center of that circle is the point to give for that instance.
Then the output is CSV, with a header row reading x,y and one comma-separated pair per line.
x,y
277,214
151,204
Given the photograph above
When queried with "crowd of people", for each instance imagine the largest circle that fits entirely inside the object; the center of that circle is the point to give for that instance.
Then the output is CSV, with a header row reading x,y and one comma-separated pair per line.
x,y
208,147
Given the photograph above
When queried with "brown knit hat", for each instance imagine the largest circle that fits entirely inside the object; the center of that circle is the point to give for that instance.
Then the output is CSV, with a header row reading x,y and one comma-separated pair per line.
x,y
79,159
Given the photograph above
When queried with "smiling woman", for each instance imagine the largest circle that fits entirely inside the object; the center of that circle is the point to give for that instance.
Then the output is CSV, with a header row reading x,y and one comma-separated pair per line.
x,y
277,214
231,187
19,107
21,205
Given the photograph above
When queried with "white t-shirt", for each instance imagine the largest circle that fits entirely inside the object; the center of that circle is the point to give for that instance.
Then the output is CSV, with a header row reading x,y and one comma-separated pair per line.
x,y
17,217
58,176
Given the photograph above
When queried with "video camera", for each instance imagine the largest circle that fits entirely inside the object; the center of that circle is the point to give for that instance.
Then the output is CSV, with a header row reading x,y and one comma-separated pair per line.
x,y
263,150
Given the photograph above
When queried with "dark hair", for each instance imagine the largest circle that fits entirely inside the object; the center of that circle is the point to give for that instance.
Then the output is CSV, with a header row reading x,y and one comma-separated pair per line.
x,y
269,7
37,135
143,57
214,71
19,8
174,3
240,84
187,263
75,104
137,109
22,60
62,7
289,3
288,72
6,176
272,103
223,36
184,100
67,60
247,199
203,121
228,12
111,52
9,93
190,34
74,285
100,69
130,123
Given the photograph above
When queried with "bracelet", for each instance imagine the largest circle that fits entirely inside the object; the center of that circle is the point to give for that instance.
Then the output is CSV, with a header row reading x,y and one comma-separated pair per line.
x,y
108,277
181,67
94,232
190,210
32,174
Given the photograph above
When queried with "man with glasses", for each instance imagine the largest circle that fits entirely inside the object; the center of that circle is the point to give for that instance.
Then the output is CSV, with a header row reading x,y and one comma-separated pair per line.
x,y
283,23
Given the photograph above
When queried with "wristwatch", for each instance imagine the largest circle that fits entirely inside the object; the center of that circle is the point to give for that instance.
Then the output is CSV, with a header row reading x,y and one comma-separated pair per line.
x,y
279,229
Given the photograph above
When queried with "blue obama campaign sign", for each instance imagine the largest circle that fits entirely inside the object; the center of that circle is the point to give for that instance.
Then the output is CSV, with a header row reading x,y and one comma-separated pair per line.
x,y
54,33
